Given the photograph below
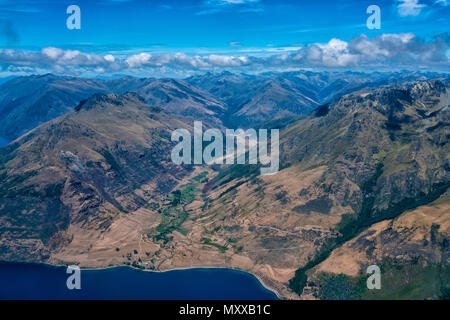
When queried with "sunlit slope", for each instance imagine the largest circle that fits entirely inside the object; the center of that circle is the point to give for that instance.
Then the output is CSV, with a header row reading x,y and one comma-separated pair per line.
x,y
363,158
83,168
411,250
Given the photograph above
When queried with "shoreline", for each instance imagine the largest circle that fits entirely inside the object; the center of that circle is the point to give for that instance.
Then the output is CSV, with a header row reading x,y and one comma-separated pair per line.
x,y
260,281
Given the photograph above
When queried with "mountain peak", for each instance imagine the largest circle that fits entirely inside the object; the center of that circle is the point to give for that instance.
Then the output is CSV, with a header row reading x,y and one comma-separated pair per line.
x,y
46,75
110,98
409,91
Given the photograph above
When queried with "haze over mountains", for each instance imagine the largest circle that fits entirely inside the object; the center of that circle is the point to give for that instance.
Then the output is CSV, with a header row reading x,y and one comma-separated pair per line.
x,y
364,176
233,100
27,102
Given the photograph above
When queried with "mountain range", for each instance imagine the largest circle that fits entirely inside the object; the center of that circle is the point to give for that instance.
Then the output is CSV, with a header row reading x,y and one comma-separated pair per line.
x,y
363,180
224,99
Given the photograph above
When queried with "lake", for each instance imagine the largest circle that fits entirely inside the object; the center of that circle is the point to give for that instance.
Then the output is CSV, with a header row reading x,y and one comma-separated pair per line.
x,y
41,281
3,142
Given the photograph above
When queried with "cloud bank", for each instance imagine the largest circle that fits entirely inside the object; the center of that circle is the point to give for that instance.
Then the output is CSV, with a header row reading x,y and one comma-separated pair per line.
x,y
387,50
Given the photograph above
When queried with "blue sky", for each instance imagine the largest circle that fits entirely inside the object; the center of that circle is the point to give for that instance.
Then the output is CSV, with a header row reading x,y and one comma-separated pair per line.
x,y
162,37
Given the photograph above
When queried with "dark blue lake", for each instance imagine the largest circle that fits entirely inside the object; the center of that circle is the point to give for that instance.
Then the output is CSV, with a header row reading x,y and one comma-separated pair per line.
x,y
40,281
3,142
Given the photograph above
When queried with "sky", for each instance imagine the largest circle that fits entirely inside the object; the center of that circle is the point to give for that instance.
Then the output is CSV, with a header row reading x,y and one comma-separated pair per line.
x,y
183,37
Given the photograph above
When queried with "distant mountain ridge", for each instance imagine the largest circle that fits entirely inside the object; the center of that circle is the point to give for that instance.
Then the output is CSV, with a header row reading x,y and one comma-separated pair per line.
x,y
27,102
233,100
255,99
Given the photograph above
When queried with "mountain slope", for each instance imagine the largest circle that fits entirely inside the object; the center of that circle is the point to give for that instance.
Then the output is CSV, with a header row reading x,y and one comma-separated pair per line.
x,y
361,159
273,100
395,134
96,187
412,251
27,102
83,168
256,99
176,96
252,100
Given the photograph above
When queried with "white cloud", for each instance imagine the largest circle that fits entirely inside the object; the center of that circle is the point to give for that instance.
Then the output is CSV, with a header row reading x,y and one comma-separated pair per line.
x,y
138,60
336,54
409,7
387,50
109,58
226,61
51,52
397,50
